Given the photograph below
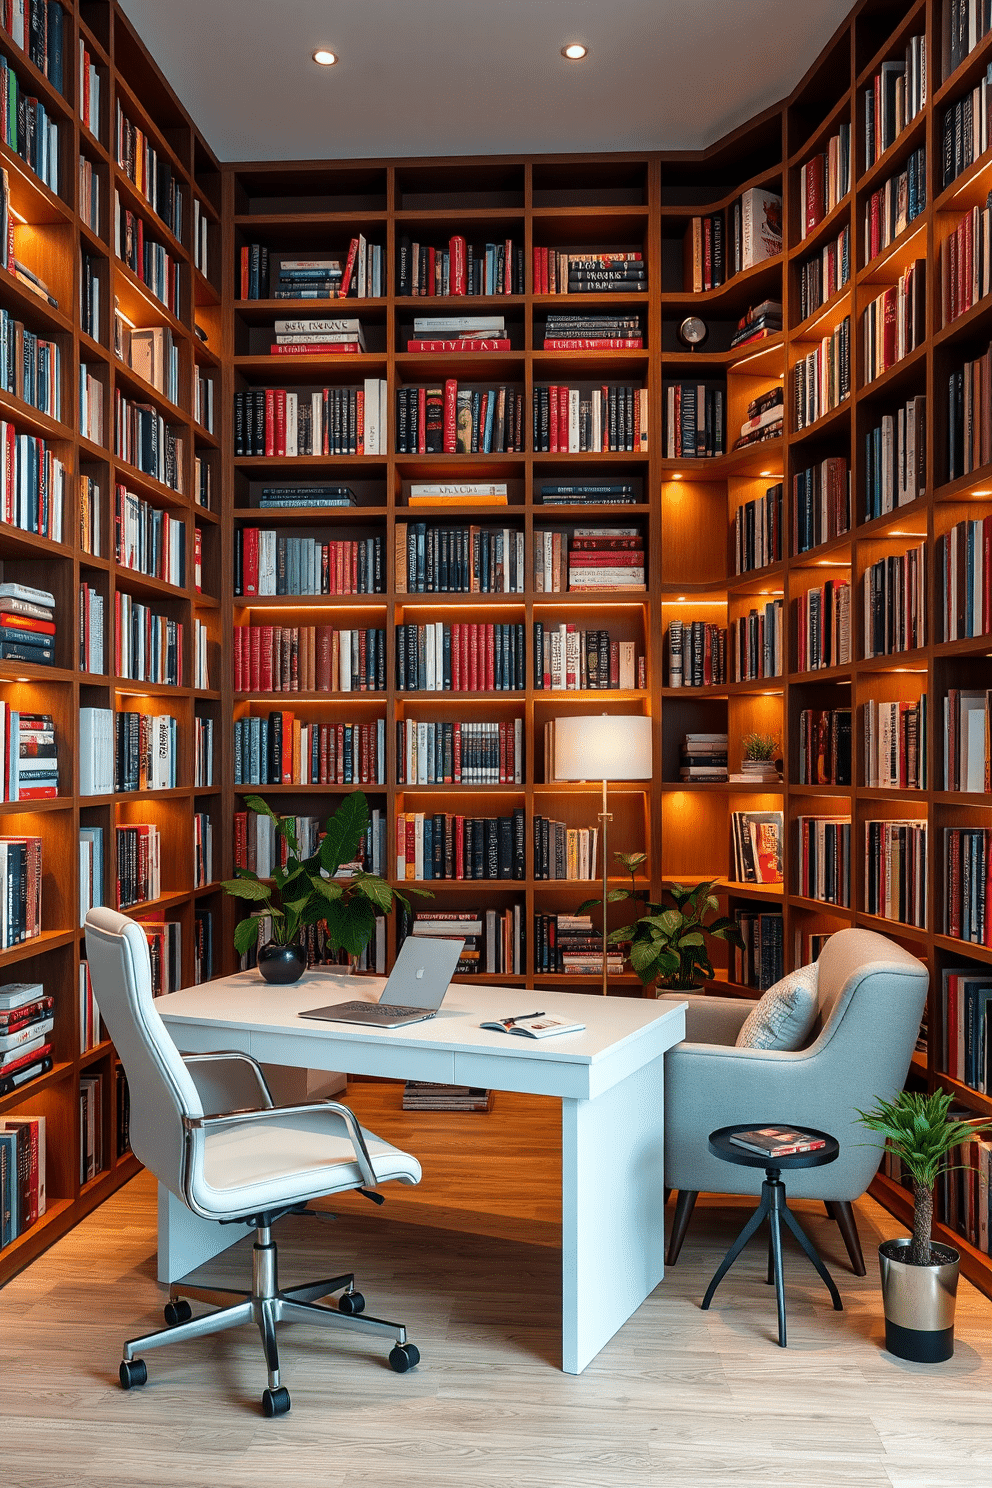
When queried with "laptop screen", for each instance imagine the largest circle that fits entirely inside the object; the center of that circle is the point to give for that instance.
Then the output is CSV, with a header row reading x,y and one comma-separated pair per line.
x,y
423,969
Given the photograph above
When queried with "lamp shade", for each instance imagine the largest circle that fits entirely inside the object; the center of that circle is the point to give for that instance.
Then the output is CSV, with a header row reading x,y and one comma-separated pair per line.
x,y
603,746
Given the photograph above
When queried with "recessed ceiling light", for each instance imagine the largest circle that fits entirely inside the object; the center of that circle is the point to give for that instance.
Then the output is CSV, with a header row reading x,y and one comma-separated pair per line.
x,y
324,58
575,51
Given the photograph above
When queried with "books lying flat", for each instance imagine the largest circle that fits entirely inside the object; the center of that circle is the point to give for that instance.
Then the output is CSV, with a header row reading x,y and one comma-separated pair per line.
x,y
535,1028
777,1141
421,1095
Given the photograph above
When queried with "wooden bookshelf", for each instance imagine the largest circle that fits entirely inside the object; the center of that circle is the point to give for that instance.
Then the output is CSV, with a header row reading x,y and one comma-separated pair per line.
x,y
641,201
646,201
51,236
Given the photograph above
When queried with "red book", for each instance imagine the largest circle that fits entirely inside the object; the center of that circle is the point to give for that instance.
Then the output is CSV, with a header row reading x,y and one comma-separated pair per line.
x,y
360,421
23,1061
463,343
889,308
28,622
349,269
280,436
815,181
553,419
589,343
249,560
431,270
410,846
270,421
563,420
536,272
473,657
198,560
239,685
456,265
317,348
450,402
421,420
605,559
255,659
459,847
37,792
287,748
456,741
266,678
707,253
490,638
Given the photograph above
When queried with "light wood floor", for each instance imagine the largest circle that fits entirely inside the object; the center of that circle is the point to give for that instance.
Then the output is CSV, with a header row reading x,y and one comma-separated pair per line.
x,y
678,1398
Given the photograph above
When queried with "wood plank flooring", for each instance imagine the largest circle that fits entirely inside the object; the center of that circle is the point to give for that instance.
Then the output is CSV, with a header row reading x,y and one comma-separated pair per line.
x,y
679,1399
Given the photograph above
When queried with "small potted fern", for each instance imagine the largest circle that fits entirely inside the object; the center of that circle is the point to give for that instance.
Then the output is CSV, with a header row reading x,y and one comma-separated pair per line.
x,y
920,1275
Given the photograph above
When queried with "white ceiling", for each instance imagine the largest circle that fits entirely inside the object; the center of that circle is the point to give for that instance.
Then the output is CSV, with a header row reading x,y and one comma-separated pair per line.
x,y
465,77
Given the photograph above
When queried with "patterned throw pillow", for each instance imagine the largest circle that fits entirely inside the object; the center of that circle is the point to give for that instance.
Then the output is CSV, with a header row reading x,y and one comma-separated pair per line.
x,y
784,1016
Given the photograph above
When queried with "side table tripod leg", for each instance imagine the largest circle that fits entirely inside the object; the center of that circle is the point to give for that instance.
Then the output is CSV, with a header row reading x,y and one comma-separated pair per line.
x,y
775,1244
810,1250
749,1229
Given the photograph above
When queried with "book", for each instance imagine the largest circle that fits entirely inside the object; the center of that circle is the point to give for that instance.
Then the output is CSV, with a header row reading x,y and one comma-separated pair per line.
x,y
534,1027
777,1141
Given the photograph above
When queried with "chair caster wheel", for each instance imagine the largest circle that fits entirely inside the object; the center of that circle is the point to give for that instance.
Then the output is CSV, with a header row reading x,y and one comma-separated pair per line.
x,y
351,1303
132,1373
177,1312
275,1402
403,1357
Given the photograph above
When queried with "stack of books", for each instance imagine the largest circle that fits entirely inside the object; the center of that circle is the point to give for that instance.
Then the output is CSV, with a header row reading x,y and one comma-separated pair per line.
x,y
318,338
586,493
308,279
763,420
606,558
756,841
464,925
703,757
557,272
421,1095
760,322
28,756
570,943
459,333
467,493
27,624
27,1018
593,333
279,498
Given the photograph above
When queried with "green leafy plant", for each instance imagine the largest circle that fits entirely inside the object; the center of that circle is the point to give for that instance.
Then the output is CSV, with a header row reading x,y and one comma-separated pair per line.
x,y
305,891
759,746
920,1131
668,942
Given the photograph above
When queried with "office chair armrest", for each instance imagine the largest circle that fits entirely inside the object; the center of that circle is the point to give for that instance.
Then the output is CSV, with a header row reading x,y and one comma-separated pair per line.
x,y
221,1056
306,1108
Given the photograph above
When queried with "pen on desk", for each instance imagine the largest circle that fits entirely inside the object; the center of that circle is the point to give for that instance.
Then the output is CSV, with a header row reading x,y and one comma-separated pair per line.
x,y
522,1017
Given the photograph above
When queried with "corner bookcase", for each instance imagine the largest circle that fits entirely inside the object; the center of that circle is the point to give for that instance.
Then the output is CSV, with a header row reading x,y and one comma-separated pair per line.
x,y
53,237
684,508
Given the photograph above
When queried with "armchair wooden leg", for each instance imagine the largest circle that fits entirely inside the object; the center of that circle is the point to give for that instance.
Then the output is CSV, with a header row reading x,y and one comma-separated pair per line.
x,y
843,1213
684,1205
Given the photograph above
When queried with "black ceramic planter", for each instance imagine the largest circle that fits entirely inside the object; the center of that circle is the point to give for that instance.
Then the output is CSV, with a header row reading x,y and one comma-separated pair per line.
x,y
282,965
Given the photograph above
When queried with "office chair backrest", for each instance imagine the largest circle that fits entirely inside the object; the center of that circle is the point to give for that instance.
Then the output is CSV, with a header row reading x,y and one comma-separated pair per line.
x,y
162,1091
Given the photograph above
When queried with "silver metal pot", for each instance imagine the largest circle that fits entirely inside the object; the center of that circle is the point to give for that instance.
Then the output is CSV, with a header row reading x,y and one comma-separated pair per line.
x,y
919,1302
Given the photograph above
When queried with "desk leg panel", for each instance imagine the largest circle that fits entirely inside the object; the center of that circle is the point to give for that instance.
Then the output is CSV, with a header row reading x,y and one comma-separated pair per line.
x,y
613,1203
185,1241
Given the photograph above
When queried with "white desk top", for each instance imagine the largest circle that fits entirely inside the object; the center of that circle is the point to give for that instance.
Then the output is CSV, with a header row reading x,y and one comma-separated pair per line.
x,y
243,1011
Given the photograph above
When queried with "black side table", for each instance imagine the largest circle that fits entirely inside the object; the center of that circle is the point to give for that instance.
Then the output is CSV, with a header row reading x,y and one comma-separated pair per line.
x,y
773,1208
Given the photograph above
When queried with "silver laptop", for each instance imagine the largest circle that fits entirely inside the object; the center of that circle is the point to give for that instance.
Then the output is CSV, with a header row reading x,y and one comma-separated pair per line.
x,y
415,989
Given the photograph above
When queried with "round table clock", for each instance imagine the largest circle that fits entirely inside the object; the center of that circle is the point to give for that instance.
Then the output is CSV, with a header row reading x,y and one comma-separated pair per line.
x,y
692,332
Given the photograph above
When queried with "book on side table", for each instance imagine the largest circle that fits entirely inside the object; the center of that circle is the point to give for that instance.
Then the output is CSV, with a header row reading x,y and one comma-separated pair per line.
x,y
777,1141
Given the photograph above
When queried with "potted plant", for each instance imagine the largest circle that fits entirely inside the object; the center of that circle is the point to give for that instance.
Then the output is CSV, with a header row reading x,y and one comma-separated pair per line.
x,y
668,943
760,760
306,891
919,1275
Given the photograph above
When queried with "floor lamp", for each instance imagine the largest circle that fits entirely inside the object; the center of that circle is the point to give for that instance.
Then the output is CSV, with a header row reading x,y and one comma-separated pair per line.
x,y
603,746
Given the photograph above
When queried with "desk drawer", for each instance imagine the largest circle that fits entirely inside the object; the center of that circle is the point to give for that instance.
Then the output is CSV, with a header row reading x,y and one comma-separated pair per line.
x,y
530,1076
363,1056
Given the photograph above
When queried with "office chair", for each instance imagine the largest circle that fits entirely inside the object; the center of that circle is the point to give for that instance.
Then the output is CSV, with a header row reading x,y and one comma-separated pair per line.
x,y
248,1163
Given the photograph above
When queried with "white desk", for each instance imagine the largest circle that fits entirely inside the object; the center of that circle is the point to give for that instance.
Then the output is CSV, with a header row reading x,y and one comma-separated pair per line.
x,y
609,1080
